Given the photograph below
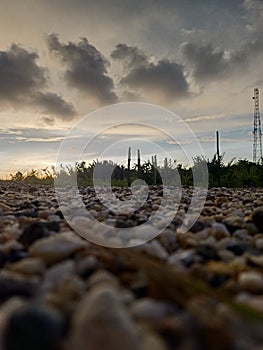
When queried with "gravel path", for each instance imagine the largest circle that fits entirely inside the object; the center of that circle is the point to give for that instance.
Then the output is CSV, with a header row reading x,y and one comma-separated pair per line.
x,y
202,289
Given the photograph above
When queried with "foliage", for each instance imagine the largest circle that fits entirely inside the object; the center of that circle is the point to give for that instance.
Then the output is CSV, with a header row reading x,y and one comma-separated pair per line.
x,y
236,173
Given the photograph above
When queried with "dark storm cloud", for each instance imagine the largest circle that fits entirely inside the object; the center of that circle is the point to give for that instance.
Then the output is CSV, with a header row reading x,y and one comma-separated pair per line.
x,y
19,74
21,82
53,104
208,64
86,68
131,54
165,77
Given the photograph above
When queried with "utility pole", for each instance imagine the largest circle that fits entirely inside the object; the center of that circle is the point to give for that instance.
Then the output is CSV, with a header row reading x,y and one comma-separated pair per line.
x,y
218,158
257,145
154,163
129,167
139,163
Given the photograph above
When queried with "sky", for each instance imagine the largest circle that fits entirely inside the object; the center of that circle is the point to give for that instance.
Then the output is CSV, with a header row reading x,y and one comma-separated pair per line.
x,y
62,60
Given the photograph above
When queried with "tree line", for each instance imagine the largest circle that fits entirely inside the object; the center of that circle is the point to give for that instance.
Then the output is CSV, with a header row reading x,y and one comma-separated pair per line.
x,y
236,173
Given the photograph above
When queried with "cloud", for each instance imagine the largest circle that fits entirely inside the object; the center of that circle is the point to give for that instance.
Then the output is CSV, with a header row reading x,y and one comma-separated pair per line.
x,y
54,105
86,68
130,54
254,16
207,63
164,76
48,120
19,74
22,82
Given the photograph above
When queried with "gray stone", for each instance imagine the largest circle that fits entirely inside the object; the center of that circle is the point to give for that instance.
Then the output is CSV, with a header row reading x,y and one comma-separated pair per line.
x,y
251,281
57,247
151,310
101,322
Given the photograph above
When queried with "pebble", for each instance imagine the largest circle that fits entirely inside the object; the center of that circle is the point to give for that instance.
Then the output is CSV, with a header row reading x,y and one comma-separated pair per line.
x,y
256,302
86,265
102,277
259,243
5,208
220,228
102,322
12,284
28,266
55,273
257,218
151,310
154,249
56,248
226,255
168,240
207,252
256,260
66,294
182,257
151,341
6,310
33,232
53,217
34,326
251,281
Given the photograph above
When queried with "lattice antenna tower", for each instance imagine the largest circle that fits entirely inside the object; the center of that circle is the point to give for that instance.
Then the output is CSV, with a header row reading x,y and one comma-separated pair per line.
x,y
257,145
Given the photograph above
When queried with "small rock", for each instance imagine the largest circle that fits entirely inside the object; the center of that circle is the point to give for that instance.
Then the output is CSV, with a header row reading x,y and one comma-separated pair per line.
x,y
256,302
34,327
221,228
256,260
53,217
6,309
85,266
168,240
28,266
102,277
259,243
5,208
151,341
226,255
154,249
55,273
68,291
182,257
220,268
151,310
257,218
33,232
251,281
12,284
43,214
10,246
101,312
208,252
238,248
56,248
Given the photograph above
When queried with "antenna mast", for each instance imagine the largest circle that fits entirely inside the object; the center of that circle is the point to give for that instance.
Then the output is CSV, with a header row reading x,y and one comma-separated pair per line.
x,y
257,146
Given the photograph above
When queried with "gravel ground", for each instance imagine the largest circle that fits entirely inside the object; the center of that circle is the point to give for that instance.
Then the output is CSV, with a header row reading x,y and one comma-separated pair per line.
x,y
202,289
